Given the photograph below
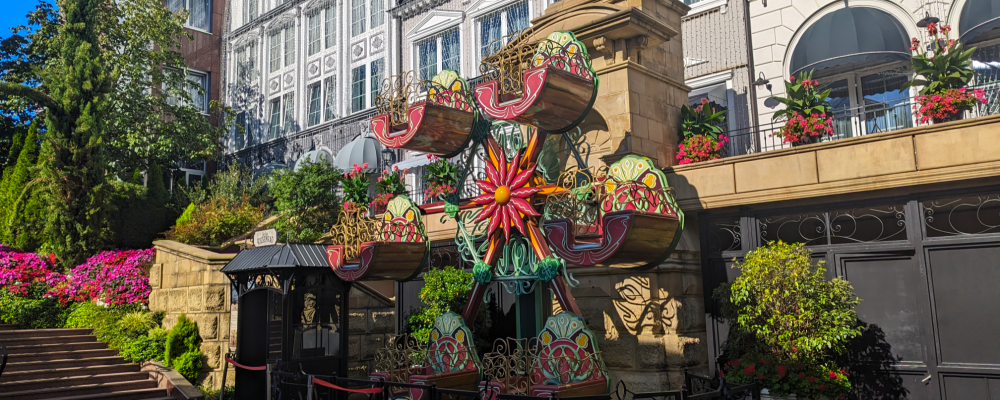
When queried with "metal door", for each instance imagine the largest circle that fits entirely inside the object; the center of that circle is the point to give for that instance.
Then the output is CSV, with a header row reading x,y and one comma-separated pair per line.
x,y
897,339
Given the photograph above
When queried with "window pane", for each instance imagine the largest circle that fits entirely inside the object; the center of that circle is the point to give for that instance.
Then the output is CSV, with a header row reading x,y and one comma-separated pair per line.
x,y
331,26
376,81
489,32
517,18
275,120
427,56
242,74
378,13
315,92
251,10
198,89
328,100
252,59
289,104
240,130
175,6
199,14
289,46
275,51
358,89
450,51
886,105
314,34
840,100
357,17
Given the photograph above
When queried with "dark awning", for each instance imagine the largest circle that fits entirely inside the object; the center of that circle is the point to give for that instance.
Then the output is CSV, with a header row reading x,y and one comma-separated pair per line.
x,y
358,152
978,20
279,256
850,37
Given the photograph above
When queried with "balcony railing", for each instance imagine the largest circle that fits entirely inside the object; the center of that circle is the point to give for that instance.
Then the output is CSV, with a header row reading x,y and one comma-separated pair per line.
x,y
868,119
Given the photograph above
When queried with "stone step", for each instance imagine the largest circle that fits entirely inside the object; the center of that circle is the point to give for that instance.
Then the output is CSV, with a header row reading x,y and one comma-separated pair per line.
x,y
31,333
141,394
7,327
36,349
38,384
13,366
48,340
63,355
100,389
52,373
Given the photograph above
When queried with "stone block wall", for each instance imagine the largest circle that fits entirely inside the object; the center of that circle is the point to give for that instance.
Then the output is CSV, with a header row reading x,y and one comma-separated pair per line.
x,y
186,280
650,325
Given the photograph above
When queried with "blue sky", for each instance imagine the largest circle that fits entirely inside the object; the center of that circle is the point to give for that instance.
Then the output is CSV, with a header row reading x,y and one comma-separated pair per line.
x,y
14,13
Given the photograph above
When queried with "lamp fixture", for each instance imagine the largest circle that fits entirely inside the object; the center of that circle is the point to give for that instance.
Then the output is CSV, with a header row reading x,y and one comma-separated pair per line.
x,y
761,81
927,20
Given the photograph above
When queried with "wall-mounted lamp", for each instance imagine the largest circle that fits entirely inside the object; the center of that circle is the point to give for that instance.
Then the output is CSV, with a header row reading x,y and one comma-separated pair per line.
x,y
761,81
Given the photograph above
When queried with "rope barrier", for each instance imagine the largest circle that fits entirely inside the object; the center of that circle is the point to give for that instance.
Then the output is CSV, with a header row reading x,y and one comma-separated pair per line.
x,y
332,386
238,365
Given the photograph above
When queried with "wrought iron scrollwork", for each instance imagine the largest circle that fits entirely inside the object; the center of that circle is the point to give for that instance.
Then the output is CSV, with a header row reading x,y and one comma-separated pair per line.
x,y
511,56
859,225
398,92
971,215
725,236
353,228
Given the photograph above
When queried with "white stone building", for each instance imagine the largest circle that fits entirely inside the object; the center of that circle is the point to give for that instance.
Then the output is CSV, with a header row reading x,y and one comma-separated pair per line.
x,y
302,75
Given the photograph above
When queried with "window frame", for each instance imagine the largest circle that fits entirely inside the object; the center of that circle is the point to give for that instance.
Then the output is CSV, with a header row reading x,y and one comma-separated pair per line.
x,y
275,51
274,118
314,109
358,86
186,5
329,26
439,42
504,13
329,98
378,13
375,77
289,45
314,34
288,112
358,18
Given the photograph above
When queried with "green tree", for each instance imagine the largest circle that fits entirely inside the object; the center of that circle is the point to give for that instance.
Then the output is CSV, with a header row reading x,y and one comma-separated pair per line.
x,y
306,200
112,86
20,208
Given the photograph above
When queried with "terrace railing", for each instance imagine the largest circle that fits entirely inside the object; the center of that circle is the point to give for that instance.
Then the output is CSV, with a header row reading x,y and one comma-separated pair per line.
x,y
872,118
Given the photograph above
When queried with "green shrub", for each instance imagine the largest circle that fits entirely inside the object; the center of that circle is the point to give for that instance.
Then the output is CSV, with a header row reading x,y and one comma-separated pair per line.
x,y
150,346
306,200
447,289
787,323
137,321
189,365
216,221
186,215
183,338
140,212
29,313
214,394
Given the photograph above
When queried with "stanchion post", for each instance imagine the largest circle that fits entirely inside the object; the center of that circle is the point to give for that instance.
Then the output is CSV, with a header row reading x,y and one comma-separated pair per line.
x,y
267,380
309,387
225,368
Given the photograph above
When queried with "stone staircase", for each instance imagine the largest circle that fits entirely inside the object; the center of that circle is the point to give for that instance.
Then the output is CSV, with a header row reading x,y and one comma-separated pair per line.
x,y
69,364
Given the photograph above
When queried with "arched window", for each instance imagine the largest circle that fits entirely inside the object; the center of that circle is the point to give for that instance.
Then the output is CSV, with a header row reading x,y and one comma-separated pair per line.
x,y
979,27
862,55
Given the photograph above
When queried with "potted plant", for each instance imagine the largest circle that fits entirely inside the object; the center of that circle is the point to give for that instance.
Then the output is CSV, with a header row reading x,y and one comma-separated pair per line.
x,y
389,185
942,73
807,113
788,324
702,136
441,178
356,189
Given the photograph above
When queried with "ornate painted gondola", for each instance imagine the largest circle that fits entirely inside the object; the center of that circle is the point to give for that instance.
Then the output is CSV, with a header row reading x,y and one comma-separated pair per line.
x,y
639,222
554,94
441,124
398,253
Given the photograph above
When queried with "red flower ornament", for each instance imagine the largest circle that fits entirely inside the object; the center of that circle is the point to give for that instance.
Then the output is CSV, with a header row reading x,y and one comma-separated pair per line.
x,y
505,193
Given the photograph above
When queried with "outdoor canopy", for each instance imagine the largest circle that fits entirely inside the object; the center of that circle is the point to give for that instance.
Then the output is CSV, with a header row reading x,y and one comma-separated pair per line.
x,y
313,156
978,18
359,151
855,36
280,256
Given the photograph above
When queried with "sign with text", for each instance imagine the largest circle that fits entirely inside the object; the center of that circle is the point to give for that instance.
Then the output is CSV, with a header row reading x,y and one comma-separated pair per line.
x,y
267,237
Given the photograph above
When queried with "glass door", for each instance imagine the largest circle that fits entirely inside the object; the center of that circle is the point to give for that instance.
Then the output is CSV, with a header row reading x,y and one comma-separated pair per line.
x,y
885,104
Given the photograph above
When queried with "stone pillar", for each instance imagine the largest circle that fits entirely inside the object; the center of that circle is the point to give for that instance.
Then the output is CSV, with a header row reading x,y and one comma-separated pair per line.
x,y
650,324
635,46
186,280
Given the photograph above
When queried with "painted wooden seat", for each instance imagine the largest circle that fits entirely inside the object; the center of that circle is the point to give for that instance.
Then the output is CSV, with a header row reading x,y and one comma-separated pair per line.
x,y
451,359
398,254
439,125
640,222
568,361
556,92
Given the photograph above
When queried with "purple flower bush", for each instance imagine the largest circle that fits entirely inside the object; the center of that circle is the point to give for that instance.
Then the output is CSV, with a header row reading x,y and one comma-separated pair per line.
x,y
113,277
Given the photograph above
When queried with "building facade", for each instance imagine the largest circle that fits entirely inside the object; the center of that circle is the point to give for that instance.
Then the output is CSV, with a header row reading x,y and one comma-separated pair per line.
x,y
302,75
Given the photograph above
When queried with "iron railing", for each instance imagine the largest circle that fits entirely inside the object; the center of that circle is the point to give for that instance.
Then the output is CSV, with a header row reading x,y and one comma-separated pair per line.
x,y
871,118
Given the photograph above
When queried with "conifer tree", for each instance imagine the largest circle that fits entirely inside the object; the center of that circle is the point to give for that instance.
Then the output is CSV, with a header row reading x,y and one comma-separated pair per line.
x,y
22,219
